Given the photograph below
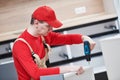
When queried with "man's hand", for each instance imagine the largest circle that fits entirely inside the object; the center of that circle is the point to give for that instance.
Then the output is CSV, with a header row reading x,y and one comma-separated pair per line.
x,y
92,43
78,69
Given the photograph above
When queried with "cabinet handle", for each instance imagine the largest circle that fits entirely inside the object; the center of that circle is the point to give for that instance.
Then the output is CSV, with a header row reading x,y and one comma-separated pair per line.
x,y
110,27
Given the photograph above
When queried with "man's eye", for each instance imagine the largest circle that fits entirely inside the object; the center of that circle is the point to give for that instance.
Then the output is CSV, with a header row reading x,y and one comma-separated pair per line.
x,y
41,21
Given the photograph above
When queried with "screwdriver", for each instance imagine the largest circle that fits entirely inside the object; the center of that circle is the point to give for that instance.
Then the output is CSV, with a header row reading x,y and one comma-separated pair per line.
x,y
87,51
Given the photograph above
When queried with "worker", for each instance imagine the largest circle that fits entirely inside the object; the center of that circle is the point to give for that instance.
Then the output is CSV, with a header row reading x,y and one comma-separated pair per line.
x,y
31,48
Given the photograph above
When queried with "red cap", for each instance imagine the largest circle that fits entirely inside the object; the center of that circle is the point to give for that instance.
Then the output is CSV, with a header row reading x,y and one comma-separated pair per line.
x,y
47,14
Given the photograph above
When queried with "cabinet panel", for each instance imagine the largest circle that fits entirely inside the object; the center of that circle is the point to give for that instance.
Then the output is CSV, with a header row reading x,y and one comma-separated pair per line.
x,y
58,54
5,48
7,70
95,29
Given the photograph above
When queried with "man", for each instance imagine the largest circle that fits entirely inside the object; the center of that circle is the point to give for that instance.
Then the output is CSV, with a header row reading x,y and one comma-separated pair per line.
x,y
35,38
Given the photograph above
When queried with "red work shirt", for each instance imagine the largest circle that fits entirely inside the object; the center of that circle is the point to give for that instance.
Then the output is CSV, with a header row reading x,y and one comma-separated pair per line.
x,y
25,66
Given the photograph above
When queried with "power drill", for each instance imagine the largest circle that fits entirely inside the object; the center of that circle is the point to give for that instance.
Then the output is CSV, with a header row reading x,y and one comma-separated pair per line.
x,y
87,51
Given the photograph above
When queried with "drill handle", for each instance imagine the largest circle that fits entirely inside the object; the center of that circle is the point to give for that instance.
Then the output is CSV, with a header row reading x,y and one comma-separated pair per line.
x,y
87,50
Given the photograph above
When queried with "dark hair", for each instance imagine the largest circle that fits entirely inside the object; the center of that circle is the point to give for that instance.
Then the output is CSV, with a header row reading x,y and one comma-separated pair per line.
x,y
32,21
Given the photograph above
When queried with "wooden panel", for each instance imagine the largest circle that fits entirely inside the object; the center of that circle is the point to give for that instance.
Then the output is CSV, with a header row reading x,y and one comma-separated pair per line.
x,y
69,23
68,11
16,15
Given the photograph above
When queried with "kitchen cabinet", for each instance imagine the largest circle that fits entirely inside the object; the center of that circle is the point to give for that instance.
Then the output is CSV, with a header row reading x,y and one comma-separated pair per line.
x,y
97,20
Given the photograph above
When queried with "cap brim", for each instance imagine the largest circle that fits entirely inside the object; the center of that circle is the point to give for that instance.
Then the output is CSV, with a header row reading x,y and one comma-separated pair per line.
x,y
55,23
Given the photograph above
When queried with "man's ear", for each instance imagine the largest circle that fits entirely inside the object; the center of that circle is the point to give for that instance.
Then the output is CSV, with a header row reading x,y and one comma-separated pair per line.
x,y
36,22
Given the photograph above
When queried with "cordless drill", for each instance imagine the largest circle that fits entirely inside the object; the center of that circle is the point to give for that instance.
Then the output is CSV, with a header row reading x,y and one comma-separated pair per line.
x,y
87,51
